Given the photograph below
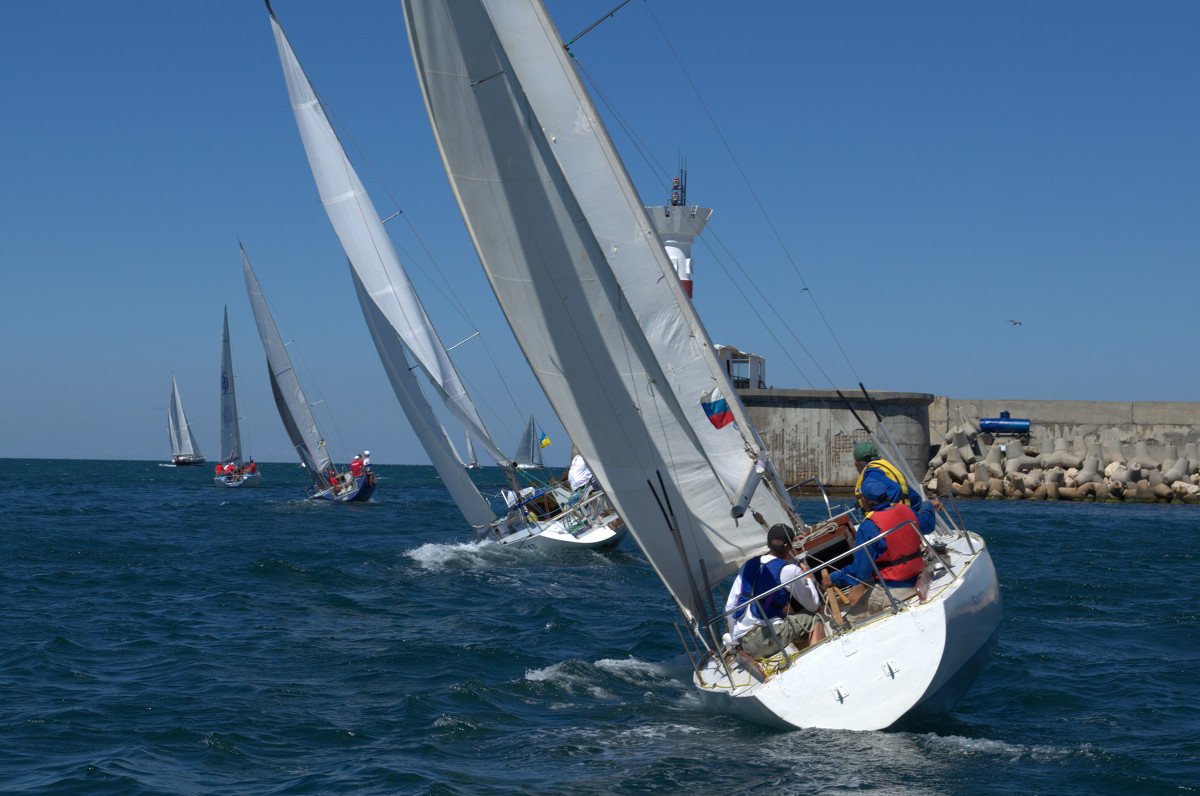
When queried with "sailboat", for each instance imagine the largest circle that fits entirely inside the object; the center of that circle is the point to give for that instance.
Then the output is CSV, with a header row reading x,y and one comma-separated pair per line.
x,y
231,437
184,450
529,449
548,202
328,483
544,515
472,459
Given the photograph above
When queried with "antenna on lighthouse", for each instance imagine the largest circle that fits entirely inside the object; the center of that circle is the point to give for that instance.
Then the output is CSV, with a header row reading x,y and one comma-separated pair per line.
x,y
677,226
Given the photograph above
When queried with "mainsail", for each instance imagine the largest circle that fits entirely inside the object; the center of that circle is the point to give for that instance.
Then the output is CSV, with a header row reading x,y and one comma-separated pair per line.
x,y
183,442
285,385
231,439
368,247
425,424
588,291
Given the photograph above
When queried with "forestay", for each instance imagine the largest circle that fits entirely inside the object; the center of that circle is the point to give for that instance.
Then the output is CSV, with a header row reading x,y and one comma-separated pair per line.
x,y
368,247
616,367
285,386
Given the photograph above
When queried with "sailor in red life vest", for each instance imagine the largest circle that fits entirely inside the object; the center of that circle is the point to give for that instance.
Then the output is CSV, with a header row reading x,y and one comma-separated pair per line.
x,y
230,469
898,556
758,576
252,467
218,469
356,467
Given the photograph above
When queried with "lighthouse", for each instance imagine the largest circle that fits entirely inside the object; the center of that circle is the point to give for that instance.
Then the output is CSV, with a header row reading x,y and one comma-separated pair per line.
x,y
677,225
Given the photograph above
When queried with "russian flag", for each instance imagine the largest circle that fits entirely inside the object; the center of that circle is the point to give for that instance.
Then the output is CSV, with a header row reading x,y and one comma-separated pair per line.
x,y
716,408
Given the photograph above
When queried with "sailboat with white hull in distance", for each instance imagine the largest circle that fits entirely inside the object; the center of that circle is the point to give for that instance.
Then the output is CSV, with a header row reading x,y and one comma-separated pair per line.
x,y
529,449
184,450
328,483
472,459
548,202
542,515
232,471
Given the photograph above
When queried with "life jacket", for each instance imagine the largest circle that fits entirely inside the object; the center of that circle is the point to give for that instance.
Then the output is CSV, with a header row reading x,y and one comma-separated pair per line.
x,y
888,469
902,560
758,578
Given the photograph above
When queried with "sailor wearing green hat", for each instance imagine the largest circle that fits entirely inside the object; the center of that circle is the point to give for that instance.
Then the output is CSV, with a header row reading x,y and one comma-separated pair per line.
x,y
872,469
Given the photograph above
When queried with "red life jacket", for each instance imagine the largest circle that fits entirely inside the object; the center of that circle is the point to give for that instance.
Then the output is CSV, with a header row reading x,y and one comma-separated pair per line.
x,y
902,560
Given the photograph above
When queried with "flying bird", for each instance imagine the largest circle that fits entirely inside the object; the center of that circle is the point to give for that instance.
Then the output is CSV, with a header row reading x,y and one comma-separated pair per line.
x,y
1015,323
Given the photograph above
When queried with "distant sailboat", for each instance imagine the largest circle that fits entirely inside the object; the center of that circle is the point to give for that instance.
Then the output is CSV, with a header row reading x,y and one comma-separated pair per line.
x,y
327,482
529,449
472,459
548,201
545,516
184,450
231,437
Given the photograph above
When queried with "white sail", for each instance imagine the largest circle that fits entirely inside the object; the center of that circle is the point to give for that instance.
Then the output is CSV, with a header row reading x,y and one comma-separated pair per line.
x,y
231,439
472,459
453,450
183,442
634,400
368,247
529,449
432,436
285,386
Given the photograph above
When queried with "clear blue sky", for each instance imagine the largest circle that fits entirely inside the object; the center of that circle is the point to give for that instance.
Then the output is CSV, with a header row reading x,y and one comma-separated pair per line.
x,y
932,170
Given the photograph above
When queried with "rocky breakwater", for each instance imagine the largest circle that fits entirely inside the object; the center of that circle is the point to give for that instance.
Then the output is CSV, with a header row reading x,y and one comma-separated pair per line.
x,y
1061,469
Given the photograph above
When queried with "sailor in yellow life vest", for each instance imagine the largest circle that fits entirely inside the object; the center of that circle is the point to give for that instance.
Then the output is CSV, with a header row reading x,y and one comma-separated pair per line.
x,y
892,486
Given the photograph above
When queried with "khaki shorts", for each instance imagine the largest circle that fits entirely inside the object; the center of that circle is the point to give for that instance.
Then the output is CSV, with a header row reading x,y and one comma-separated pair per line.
x,y
793,629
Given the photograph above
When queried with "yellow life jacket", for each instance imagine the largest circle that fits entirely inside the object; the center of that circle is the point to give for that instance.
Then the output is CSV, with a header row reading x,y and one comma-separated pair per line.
x,y
891,471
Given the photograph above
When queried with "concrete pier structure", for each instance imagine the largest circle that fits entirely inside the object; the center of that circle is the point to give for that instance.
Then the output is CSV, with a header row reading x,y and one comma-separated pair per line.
x,y
811,433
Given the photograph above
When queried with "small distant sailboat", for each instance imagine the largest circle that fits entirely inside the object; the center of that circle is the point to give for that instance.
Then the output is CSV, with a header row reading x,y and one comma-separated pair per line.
x,y
184,450
231,472
472,459
529,449
328,482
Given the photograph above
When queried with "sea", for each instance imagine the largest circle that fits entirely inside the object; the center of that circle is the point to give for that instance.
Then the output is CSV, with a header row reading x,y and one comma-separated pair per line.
x,y
161,635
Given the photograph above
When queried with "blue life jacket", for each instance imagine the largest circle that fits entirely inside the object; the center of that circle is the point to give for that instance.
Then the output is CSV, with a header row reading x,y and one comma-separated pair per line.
x,y
758,578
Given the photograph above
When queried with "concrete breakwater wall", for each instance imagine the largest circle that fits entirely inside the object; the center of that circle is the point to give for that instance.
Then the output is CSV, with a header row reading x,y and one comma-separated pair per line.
x,y
1076,450
811,434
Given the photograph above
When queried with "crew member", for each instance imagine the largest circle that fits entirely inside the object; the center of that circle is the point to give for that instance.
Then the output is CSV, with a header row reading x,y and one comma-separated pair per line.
x,y
898,556
356,467
874,469
757,577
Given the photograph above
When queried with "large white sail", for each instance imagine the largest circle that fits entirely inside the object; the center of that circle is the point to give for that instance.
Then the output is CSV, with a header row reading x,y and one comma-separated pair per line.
x,y
466,495
616,368
183,442
285,386
368,247
231,439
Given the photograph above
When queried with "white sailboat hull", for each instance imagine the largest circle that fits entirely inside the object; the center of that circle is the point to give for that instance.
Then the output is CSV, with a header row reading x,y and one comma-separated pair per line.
x,y
556,536
916,662
238,482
